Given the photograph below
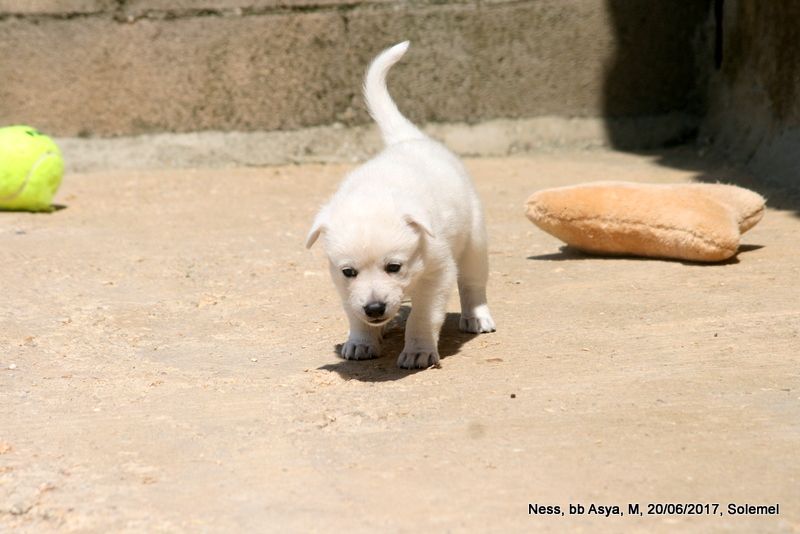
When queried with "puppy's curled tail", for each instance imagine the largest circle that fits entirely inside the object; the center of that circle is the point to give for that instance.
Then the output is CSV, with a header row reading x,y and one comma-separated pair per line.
x,y
395,128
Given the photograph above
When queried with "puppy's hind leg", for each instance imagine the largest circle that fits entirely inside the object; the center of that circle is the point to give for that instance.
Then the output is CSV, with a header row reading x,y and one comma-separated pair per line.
x,y
473,273
428,304
364,341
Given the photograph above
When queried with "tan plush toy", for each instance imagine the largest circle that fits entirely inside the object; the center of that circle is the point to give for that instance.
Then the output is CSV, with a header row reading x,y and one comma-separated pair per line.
x,y
697,222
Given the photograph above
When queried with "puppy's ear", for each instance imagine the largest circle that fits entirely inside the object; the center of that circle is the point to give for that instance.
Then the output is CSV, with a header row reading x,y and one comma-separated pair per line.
x,y
318,226
419,222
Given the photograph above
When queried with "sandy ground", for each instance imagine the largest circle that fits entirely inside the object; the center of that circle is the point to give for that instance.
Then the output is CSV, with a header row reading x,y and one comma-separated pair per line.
x,y
167,364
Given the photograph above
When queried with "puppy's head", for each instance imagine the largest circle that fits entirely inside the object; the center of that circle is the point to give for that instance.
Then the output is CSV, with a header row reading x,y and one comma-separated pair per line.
x,y
375,253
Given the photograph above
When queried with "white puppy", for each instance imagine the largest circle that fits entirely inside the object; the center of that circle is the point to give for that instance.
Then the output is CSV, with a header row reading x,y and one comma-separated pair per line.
x,y
406,223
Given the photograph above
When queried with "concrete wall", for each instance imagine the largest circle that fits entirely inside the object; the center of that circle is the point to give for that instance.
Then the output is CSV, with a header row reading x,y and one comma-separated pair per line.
x,y
754,106
128,67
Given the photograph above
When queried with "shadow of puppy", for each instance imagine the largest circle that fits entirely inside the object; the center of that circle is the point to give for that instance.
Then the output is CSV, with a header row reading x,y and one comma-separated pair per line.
x,y
384,369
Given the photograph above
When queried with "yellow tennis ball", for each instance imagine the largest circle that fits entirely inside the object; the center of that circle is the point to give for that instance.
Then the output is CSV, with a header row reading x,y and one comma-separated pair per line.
x,y
30,169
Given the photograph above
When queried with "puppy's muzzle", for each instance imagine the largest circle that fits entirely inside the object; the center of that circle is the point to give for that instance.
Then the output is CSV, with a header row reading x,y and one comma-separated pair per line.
x,y
375,310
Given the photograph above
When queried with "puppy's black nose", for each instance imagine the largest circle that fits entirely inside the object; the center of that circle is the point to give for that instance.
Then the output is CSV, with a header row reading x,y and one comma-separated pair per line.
x,y
375,309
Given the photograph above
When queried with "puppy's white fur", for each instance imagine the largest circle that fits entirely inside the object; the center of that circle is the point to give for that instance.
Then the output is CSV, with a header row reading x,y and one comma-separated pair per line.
x,y
413,205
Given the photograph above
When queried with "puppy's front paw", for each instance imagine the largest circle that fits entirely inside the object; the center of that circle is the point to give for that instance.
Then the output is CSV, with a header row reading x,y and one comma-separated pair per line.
x,y
417,358
358,349
479,324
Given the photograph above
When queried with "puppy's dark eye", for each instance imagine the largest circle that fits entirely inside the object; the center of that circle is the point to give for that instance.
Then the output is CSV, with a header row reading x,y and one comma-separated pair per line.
x,y
393,268
349,272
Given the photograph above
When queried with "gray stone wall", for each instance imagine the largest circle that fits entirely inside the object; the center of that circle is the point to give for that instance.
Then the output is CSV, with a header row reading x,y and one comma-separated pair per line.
x,y
754,106
129,67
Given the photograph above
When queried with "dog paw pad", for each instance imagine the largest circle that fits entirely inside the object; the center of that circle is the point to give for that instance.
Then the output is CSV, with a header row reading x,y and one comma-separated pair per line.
x,y
359,351
415,359
477,325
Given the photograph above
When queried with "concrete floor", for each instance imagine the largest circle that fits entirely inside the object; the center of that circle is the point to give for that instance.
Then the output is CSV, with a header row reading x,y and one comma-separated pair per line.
x,y
167,364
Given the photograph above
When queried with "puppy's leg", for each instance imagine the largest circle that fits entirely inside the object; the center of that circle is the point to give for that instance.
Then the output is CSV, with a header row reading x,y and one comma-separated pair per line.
x,y
473,273
428,304
364,341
